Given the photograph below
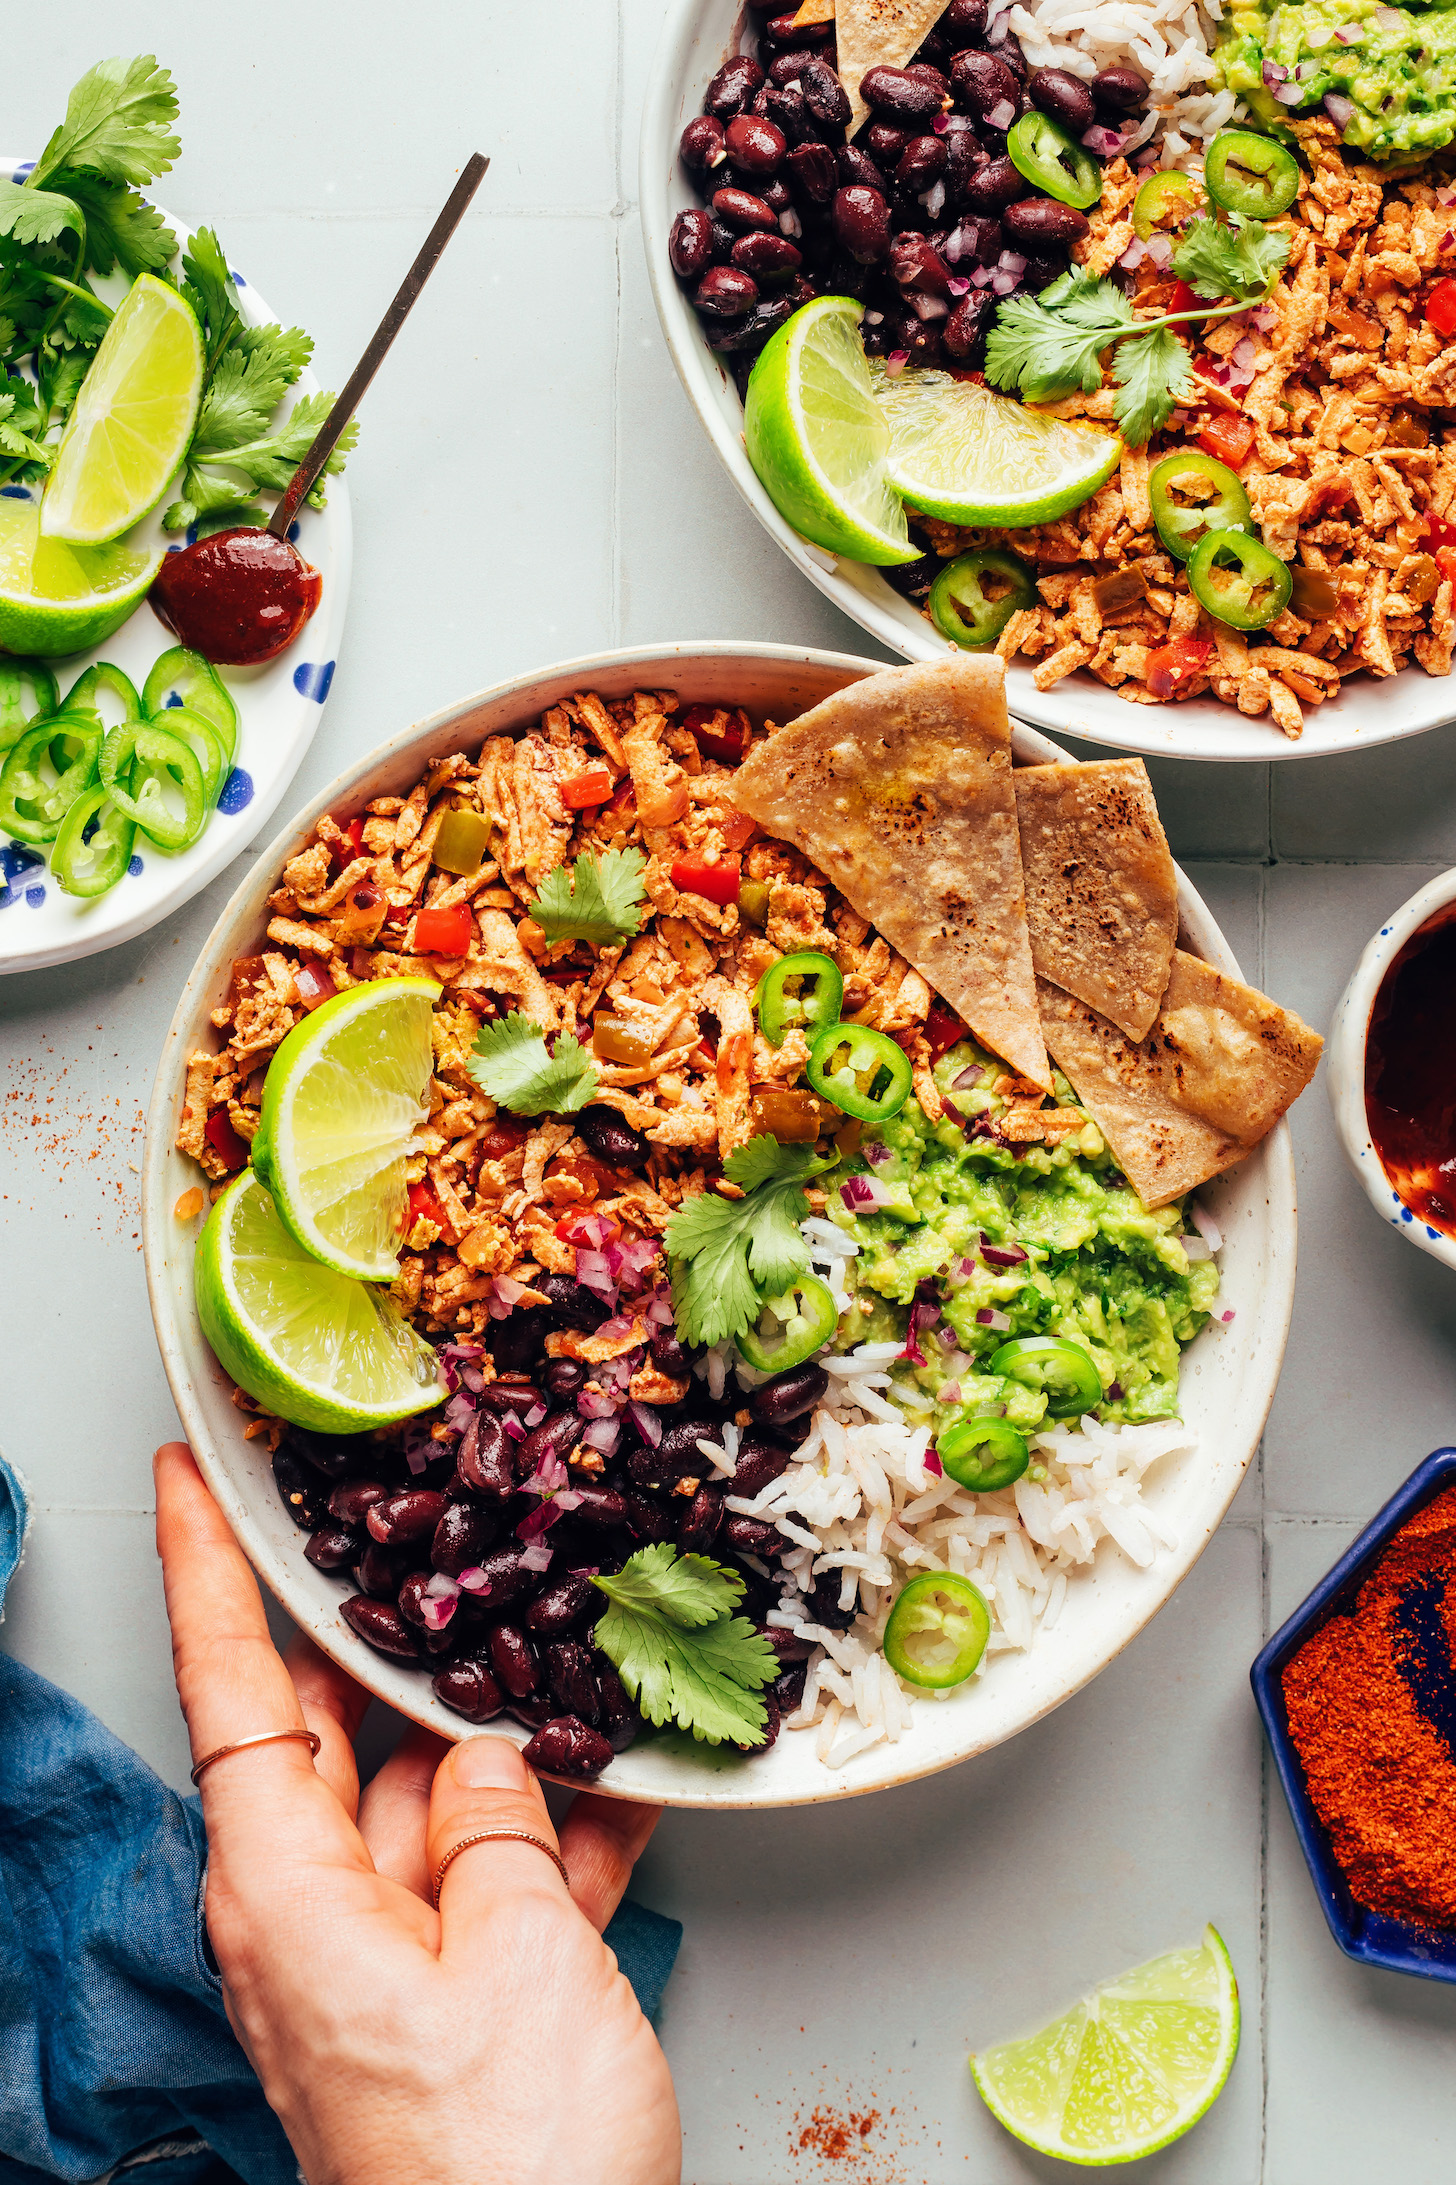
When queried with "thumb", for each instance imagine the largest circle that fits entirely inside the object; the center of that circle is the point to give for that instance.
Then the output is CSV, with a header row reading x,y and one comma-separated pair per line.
x,y
483,1785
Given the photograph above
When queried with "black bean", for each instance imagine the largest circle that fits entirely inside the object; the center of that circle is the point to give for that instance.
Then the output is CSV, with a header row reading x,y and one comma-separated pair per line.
x,y
785,1645
912,579
462,1537
750,1536
678,1452
964,333
824,94
743,210
300,1488
914,264
515,1342
568,1747
484,1458
981,240
1040,273
648,1518
573,1305
824,1608
541,1707
927,72
554,1437
1066,98
382,1571
775,194
760,1458
813,172
332,1548
352,1502
933,52
963,156
786,68
788,1689
381,1626
402,1519
513,1659
668,1354
788,1395
898,96
862,223
600,1506
771,1725
690,243
335,1456
733,87
1010,52
617,1719
645,1467
884,143
785,31
982,81
410,1604
1035,222
922,162
1119,91
697,1527
569,1676
995,186
700,147
611,1138
508,1394
755,146
507,1579
965,19
470,1690
855,166
560,1606
771,259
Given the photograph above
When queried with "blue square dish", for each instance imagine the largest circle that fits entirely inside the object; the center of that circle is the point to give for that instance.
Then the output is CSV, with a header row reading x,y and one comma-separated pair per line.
x,y
1397,1945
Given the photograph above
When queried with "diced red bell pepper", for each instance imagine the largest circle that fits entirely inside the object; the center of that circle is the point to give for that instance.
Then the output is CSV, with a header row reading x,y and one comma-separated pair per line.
x,y
593,786
424,1204
445,932
352,845
720,734
224,1140
1176,664
1446,562
718,883
942,1030
1439,532
1182,299
1228,440
1441,308
585,1230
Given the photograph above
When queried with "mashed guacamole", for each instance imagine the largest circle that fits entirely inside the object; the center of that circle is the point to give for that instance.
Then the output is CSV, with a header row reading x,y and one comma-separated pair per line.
x,y
1395,67
1100,1270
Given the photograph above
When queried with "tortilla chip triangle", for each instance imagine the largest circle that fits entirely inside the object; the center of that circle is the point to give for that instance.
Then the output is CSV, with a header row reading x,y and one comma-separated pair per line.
x,y
1101,887
899,789
878,34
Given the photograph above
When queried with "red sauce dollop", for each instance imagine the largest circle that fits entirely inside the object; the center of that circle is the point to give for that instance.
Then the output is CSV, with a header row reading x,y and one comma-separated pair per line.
x,y
1410,1073
237,598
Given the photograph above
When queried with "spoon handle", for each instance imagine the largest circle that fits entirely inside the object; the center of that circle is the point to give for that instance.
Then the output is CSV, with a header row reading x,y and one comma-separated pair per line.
x,y
327,437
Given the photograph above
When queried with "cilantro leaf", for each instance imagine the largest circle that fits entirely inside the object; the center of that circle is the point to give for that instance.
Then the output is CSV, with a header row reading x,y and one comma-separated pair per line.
x,y
601,902
118,124
14,440
120,228
1153,375
727,1254
1238,259
35,216
269,461
681,1657
247,386
208,287
513,1065
1048,346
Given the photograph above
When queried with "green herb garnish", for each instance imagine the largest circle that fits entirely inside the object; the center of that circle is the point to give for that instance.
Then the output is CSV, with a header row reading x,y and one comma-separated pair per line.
x,y
513,1065
679,1649
727,1255
601,901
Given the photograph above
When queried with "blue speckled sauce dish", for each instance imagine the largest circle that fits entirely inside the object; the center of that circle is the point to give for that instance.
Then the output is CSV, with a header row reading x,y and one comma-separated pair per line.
x,y
1345,1065
1372,1938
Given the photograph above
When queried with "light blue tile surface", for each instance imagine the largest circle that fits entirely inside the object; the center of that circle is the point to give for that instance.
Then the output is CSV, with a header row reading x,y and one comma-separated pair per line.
x,y
531,484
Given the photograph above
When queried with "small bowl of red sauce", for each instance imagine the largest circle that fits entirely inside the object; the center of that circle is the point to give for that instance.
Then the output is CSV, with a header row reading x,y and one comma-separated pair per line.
x,y
1392,1069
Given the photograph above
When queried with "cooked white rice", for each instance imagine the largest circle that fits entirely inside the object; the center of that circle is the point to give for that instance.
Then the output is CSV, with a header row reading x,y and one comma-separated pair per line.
x,y
857,1499
1168,41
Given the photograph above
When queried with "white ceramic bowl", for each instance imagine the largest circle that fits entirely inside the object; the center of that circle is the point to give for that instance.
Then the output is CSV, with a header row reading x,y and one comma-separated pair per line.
x,y
696,36
1228,1373
1345,1065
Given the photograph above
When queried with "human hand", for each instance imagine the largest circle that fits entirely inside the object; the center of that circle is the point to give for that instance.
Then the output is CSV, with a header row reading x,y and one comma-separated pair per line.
x,y
493,2042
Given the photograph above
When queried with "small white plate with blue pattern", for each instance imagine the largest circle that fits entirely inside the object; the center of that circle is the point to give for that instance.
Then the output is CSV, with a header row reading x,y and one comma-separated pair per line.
x,y
279,709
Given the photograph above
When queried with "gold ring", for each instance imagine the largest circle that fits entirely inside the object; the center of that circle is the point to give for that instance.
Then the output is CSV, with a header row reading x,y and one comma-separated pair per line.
x,y
492,1836
264,1737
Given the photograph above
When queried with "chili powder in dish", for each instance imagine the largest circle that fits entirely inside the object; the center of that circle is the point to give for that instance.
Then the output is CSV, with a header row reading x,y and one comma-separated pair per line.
x,y
1371,1700
1410,1073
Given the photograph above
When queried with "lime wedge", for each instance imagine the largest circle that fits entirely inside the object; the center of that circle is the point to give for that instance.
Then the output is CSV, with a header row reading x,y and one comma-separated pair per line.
x,y
1129,2068
61,599
342,1103
817,440
133,419
316,1348
969,456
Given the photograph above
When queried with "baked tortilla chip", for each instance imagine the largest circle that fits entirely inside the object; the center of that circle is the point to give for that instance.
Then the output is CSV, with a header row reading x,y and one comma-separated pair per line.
x,y
878,34
1101,889
899,790
1218,1069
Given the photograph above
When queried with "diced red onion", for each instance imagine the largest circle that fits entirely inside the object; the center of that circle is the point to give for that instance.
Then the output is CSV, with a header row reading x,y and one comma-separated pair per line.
x,y
314,985
950,249
1443,197
968,1080
1195,1247
458,1414
956,1362
876,1151
996,33
1148,158
419,1446
509,1292
535,1522
613,1258
1002,114
959,286
592,1404
1289,94
790,223
436,1614
473,1378
982,277
933,199
536,1557
590,1230
603,1434
1275,72
1106,143
659,1313
549,1475
647,1423
474,1580
1160,249
874,318
615,1329
987,1318
1011,261
638,1259
1206,1226
933,1464
1266,316
1349,34
1004,284
968,1266
859,1192
896,362
1340,110
1243,351
1134,255
593,1272
535,1415
950,1392
1227,1317
513,1427
939,125
927,308
1001,1255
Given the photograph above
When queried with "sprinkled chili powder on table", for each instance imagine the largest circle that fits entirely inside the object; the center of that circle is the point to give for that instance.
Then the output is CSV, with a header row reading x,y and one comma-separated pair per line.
x,y
1372,1712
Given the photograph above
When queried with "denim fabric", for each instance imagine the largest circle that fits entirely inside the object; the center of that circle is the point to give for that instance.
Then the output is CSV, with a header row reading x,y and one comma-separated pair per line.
x,y
113,2038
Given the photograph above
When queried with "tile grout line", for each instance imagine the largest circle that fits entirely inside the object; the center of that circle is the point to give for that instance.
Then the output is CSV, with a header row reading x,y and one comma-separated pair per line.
x,y
615,217
1263,1870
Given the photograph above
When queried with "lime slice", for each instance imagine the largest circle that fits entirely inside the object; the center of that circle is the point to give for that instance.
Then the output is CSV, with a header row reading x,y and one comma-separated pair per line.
x,y
969,456
1129,2068
342,1103
61,599
133,419
817,440
316,1348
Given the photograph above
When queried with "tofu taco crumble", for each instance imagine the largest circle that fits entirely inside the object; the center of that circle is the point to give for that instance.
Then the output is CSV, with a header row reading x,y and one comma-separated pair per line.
x,y
703,1211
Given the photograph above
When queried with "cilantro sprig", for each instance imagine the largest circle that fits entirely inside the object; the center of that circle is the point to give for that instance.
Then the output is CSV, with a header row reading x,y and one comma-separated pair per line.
x,y
682,1654
513,1065
601,901
1047,346
727,1255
